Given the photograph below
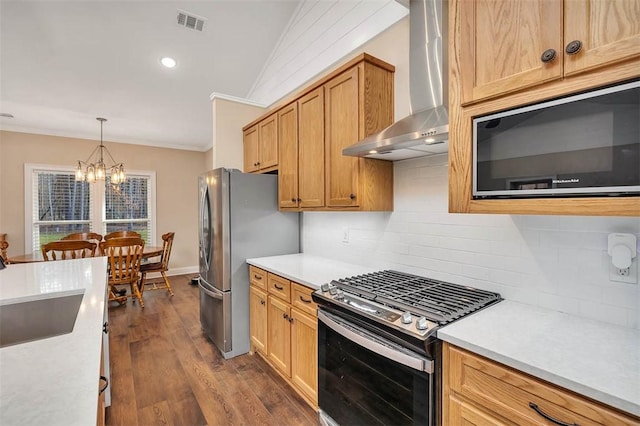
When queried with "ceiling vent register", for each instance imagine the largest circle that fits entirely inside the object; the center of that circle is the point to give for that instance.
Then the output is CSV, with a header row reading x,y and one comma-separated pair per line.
x,y
190,20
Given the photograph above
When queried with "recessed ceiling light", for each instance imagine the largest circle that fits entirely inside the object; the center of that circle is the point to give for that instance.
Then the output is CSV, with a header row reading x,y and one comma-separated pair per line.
x,y
168,62
6,114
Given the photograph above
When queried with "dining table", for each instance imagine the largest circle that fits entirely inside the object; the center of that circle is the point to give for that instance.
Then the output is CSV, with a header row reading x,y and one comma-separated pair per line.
x,y
147,253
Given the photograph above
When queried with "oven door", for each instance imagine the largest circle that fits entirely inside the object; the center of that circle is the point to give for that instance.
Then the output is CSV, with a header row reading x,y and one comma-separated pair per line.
x,y
366,379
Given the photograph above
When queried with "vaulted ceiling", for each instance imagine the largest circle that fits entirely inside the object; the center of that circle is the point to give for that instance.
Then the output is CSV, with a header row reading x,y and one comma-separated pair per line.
x,y
64,63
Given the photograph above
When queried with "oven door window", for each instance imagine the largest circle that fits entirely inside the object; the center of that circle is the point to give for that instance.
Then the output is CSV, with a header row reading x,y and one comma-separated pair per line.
x,y
359,386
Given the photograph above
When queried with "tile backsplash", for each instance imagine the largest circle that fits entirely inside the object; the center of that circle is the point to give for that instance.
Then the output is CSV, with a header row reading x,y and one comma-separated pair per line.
x,y
559,262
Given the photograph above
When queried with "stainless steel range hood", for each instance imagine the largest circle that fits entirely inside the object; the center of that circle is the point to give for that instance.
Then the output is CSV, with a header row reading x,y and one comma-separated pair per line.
x,y
426,130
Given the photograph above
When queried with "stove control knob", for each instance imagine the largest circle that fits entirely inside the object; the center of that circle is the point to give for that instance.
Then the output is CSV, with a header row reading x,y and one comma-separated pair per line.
x,y
406,318
324,287
340,294
332,289
421,323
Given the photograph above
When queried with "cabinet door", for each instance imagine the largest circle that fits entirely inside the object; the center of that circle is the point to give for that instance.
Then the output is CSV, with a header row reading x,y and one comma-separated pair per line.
x,y
608,30
288,156
251,158
461,413
304,353
258,319
341,122
268,151
311,149
501,44
279,337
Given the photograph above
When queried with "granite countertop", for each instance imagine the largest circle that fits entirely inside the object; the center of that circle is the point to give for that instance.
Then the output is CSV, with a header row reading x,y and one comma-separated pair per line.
x,y
54,381
312,271
592,358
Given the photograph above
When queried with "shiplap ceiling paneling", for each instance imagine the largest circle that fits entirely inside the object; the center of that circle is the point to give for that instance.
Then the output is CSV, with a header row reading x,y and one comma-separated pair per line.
x,y
63,63
319,34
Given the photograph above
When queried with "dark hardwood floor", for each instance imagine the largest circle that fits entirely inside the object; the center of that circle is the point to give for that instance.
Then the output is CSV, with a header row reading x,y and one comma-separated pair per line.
x,y
165,371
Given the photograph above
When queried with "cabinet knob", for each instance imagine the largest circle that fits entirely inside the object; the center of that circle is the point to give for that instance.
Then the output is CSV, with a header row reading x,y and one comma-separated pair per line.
x,y
299,199
293,200
262,302
285,316
573,47
291,320
548,55
255,164
352,196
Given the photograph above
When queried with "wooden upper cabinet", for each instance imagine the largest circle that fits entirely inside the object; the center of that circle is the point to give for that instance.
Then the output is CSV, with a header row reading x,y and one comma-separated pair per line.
x,y
502,43
608,31
311,154
251,149
268,131
341,112
261,145
315,125
288,156
495,49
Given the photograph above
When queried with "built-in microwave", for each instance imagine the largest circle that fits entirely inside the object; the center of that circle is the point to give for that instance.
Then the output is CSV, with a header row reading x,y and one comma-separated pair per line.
x,y
581,145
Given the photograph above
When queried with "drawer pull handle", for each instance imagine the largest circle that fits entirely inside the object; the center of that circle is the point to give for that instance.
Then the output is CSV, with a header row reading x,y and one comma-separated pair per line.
x,y
548,417
106,384
257,277
277,287
305,300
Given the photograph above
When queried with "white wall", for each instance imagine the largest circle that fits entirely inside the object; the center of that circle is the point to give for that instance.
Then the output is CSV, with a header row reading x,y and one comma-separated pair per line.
x,y
320,34
229,116
559,262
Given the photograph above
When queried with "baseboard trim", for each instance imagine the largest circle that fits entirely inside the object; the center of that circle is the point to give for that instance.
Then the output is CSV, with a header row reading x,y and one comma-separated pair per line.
x,y
176,271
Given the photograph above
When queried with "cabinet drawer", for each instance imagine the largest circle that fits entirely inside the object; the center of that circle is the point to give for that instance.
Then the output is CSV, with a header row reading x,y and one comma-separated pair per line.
x,y
258,277
301,299
280,287
509,394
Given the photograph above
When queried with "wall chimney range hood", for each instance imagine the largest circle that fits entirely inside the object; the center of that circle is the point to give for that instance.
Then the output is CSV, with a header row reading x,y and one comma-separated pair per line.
x,y
426,130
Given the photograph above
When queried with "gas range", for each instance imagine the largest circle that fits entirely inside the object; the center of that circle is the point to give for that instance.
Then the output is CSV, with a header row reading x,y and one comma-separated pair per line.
x,y
412,305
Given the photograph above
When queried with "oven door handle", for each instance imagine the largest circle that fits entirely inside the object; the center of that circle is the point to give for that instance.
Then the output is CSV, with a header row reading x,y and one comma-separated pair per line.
x,y
385,350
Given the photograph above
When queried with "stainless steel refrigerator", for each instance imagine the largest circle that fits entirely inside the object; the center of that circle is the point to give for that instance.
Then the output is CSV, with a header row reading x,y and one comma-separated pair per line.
x,y
238,220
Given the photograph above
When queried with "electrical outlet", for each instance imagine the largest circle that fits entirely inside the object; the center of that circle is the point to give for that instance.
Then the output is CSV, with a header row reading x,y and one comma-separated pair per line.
x,y
624,275
345,235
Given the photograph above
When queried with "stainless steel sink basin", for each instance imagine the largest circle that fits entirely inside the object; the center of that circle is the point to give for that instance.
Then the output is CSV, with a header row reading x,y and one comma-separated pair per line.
x,y
38,319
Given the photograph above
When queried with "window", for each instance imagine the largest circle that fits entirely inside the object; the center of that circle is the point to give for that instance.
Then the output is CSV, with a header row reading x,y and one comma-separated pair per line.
x,y
57,205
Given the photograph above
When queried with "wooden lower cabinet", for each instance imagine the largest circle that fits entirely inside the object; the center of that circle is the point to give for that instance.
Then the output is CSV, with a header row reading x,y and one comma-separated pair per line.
x,y
279,349
258,319
284,330
478,391
304,353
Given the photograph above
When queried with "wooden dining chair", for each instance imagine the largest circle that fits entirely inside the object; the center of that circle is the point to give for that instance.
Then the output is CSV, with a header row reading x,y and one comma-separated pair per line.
x,y
88,236
121,234
71,249
4,245
161,266
123,259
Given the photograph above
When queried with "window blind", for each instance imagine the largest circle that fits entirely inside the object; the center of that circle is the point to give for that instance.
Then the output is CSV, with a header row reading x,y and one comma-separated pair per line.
x,y
127,206
61,205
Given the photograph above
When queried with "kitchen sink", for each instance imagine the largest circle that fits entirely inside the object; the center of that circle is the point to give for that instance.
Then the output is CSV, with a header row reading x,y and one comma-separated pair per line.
x,y
38,319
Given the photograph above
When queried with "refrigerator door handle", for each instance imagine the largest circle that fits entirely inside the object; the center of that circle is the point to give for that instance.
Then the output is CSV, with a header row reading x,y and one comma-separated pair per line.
x,y
215,294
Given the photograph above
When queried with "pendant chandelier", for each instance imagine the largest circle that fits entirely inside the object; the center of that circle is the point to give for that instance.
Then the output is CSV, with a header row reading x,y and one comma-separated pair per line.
x,y
94,168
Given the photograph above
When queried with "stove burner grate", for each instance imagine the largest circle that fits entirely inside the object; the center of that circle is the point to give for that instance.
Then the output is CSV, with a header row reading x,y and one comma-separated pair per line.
x,y
438,301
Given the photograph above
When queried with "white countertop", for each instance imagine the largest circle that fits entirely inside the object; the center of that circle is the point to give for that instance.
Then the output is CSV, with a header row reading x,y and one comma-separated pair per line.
x,y
54,381
592,358
312,271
